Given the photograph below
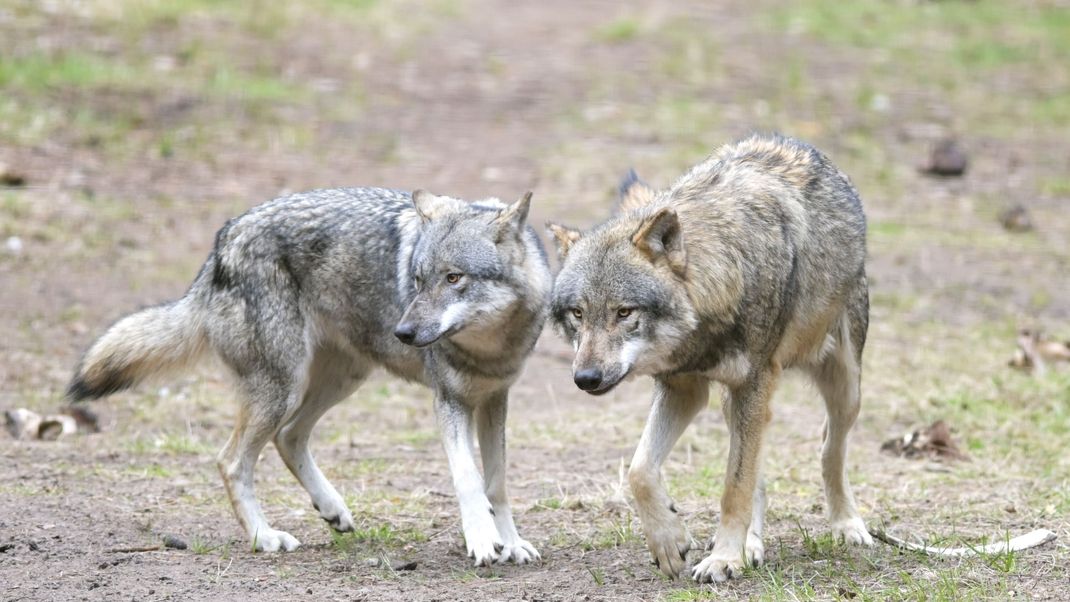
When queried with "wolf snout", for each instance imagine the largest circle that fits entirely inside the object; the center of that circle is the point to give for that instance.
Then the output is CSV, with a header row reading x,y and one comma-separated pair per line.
x,y
406,333
589,379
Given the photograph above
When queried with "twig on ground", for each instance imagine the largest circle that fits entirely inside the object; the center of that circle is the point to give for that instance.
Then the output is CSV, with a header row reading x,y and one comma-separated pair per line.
x,y
1022,542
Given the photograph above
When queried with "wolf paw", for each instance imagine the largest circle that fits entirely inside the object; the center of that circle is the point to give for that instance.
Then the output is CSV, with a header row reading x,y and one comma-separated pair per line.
x,y
337,516
484,545
755,550
270,540
853,531
518,552
668,545
719,567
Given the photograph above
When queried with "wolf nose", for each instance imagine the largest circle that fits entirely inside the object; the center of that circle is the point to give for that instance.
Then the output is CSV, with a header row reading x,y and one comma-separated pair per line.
x,y
589,379
406,333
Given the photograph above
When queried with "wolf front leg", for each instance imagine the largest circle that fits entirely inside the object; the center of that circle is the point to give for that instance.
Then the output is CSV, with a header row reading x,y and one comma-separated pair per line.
x,y
747,413
477,515
676,402
490,426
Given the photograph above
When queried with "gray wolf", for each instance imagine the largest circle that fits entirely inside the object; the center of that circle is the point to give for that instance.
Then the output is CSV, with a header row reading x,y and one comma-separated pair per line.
x,y
751,262
302,297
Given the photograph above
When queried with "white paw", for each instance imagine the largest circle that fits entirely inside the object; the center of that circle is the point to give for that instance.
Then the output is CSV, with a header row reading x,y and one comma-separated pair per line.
x,y
668,543
337,515
483,543
720,566
755,550
270,540
852,531
518,552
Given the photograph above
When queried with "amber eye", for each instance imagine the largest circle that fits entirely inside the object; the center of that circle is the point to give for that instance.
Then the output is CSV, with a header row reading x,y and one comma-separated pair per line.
x,y
624,312
453,278
577,313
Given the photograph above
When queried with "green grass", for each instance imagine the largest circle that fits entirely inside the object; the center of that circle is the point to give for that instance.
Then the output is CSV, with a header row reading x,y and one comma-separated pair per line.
x,y
981,34
169,443
620,30
377,536
612,534
47,72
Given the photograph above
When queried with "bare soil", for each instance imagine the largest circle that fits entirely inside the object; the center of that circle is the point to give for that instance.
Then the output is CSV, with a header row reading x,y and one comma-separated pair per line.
x,y
487,98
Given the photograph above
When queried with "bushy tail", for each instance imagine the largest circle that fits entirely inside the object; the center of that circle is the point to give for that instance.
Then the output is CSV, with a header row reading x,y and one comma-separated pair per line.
x,y
153,341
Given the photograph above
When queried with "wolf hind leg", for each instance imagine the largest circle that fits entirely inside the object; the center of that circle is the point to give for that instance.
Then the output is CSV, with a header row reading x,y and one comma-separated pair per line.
x,y
838,377
259,418
333,376
490,428
677,401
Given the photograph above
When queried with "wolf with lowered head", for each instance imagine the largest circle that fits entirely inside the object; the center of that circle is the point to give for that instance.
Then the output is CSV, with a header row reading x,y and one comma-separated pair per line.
x,y
305,295
751,263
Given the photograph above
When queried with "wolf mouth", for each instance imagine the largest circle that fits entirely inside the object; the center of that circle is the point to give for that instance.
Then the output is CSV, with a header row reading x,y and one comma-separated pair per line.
x,y
606,388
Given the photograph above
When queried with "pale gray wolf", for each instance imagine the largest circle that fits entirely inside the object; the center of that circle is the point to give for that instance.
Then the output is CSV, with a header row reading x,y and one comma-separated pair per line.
x,y
305,295
752,262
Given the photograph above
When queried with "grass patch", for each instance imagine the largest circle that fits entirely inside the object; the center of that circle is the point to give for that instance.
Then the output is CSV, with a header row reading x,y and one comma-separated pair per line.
x,y
621,30
380,536
169,443
613,534
981,34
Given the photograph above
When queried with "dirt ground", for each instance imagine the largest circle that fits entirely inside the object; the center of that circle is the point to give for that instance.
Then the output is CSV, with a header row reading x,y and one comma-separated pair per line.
x,y
139,127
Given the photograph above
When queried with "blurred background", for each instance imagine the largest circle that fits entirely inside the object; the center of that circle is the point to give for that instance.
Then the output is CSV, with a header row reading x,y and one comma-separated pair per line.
x,y
131,129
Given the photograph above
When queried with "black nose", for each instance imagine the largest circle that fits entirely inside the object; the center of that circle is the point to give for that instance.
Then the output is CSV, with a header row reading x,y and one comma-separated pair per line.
x,y
589,379
406,333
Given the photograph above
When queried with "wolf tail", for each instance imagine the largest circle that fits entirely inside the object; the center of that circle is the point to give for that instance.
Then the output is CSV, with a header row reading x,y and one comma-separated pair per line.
x,y
154,341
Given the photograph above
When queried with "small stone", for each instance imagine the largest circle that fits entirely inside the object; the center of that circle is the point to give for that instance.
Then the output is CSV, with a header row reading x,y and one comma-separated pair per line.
x,y
11,178
13,245
1016,219
947,158
174,542
404,566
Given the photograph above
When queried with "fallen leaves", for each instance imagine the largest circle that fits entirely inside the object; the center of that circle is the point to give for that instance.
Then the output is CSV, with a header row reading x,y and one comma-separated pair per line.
x,y
1035,353
934,443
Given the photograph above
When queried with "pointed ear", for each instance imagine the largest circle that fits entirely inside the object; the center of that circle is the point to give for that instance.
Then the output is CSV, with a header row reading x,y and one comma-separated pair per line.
x,y
564,236
634,192
513,217
423,202
660,239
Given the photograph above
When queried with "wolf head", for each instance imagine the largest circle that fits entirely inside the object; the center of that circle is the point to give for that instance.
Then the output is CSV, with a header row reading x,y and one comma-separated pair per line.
x,y
467,268
621,295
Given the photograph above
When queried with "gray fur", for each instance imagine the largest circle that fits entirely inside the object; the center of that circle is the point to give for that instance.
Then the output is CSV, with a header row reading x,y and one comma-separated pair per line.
x,y
303,296
750,263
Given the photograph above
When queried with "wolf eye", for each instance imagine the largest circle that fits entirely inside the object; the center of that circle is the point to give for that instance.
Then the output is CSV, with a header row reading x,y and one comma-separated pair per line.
x,y
624,312
577,313
453,278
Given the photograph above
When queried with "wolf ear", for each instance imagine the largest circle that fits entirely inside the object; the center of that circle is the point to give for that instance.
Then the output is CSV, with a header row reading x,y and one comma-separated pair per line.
x,y
634,192
564,236
426,204
659,237
513,217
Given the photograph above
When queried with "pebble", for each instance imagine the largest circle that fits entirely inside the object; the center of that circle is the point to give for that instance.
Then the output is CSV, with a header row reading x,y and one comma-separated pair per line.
x,y
13,245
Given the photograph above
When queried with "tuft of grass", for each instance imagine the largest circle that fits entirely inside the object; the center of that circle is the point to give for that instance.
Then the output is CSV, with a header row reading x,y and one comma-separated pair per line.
x,y
614,534
200,546
377,536
619,31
